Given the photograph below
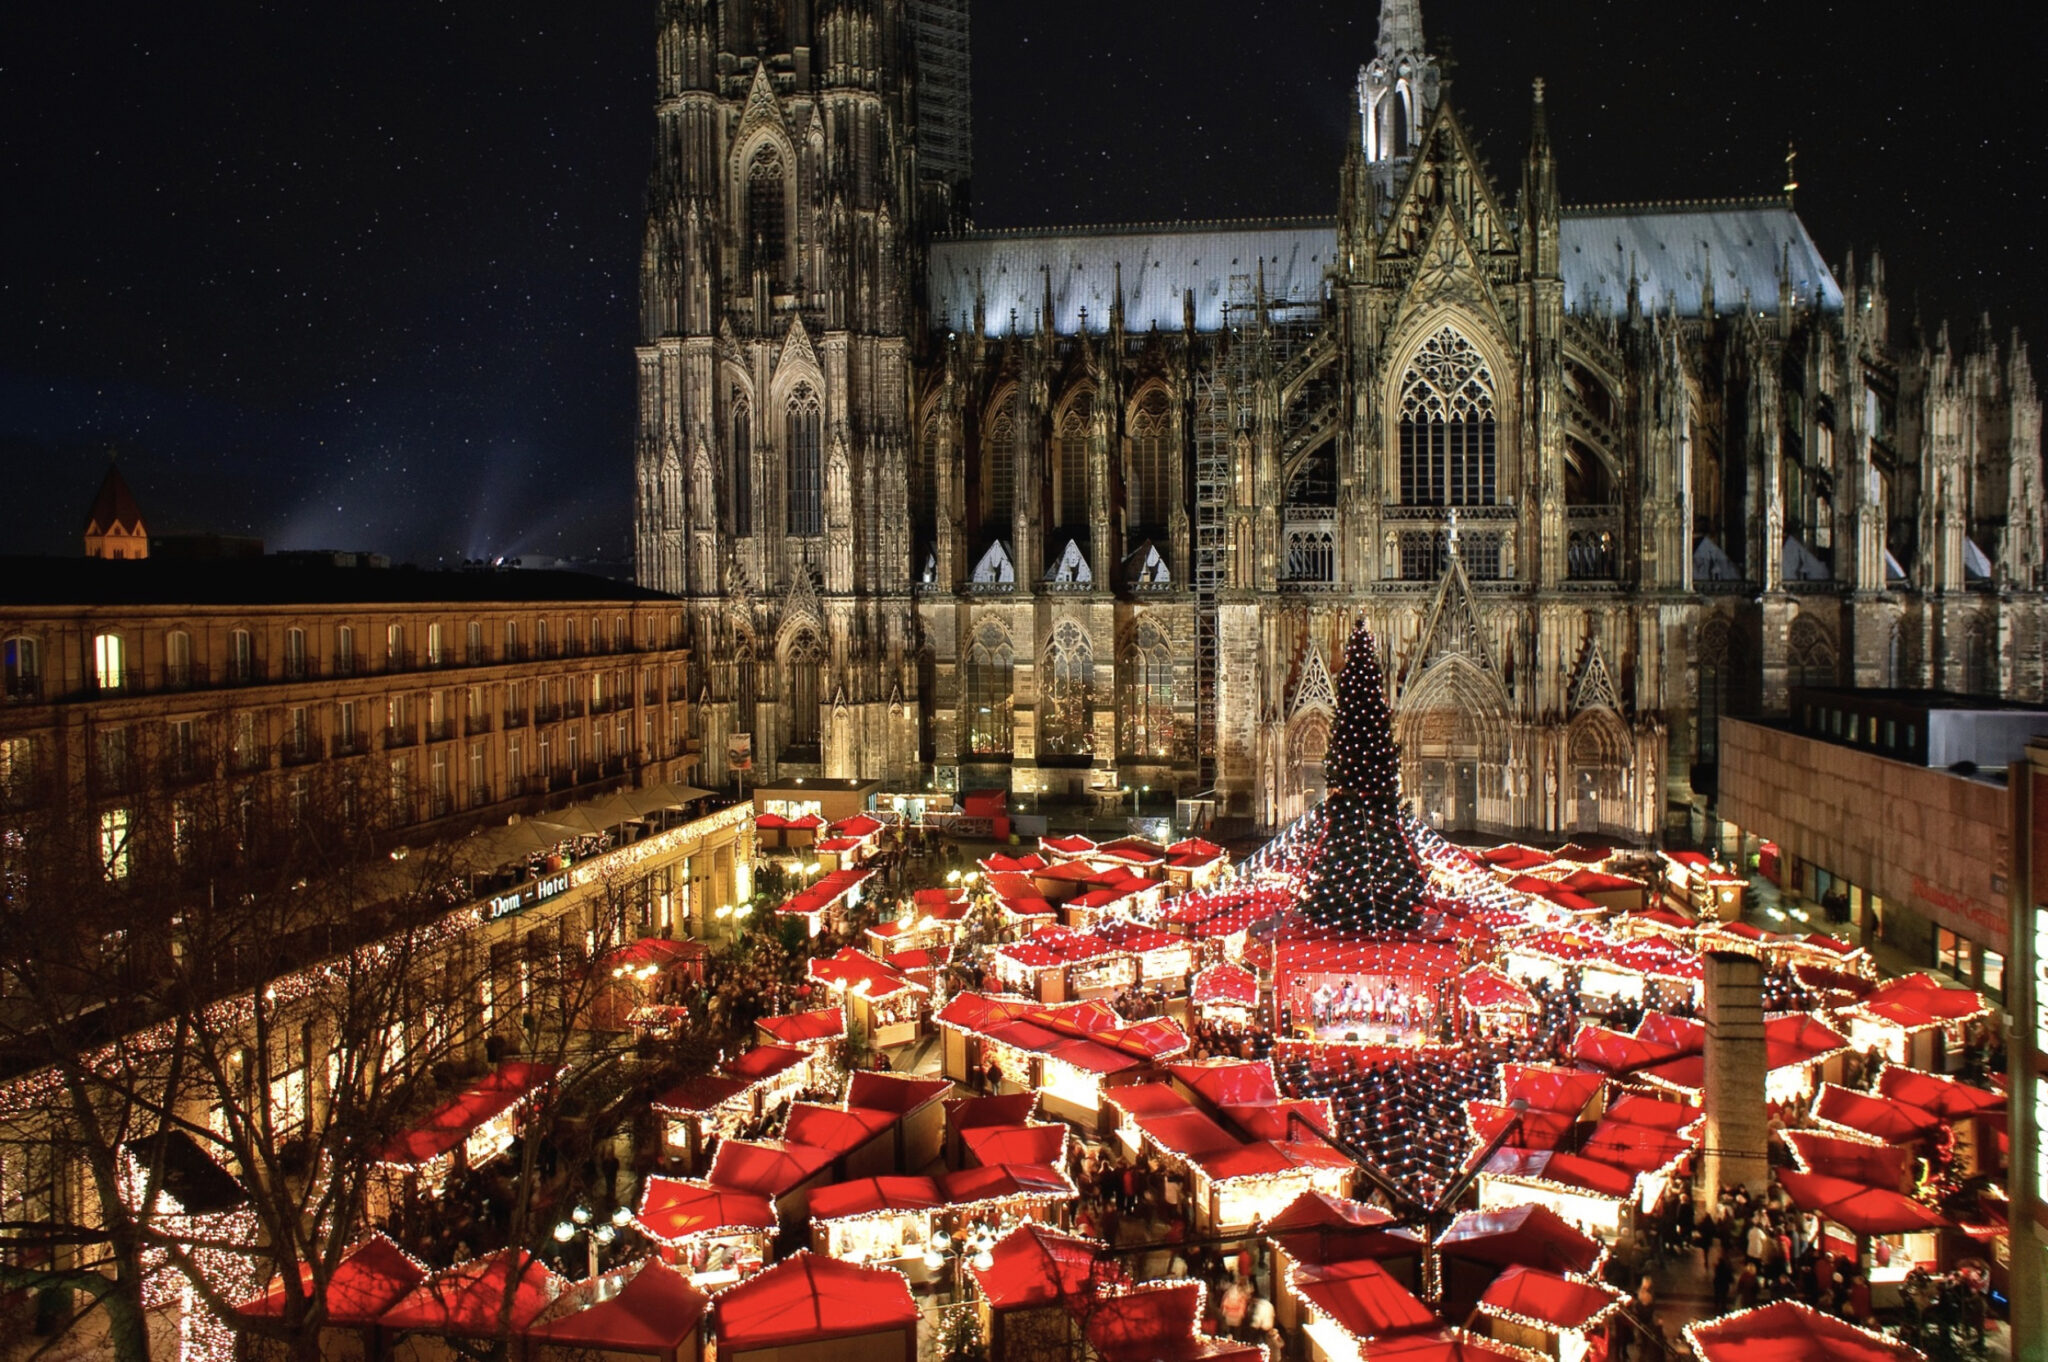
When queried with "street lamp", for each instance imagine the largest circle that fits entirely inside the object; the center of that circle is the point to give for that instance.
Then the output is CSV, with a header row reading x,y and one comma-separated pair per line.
x,y
597,1237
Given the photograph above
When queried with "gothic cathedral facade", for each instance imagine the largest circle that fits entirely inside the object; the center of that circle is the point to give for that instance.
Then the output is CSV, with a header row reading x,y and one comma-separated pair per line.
x,y
1074,512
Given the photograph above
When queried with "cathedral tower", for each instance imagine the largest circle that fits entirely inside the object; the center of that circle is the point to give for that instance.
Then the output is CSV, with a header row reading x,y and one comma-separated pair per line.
x,y
783,229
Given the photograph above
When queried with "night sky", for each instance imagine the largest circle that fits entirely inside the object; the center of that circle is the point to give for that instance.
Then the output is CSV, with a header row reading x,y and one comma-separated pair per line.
x,y
362,276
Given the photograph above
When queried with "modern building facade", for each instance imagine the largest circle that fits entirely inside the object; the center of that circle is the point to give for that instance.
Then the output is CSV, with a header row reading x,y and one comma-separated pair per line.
x,y
1066,512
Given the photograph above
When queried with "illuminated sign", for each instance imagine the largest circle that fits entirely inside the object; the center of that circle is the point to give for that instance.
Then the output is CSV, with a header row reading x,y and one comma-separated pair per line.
x,y
526,895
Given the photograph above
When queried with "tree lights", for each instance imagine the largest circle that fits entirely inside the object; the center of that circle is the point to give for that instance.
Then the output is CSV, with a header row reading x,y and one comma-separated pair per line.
x,y
1364,874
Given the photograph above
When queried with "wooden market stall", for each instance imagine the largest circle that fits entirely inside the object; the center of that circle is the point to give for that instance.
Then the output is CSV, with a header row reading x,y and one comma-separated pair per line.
x,y
491,1298
373,1277
1551,1315
473,1128
653,1313
810,1308
714,1234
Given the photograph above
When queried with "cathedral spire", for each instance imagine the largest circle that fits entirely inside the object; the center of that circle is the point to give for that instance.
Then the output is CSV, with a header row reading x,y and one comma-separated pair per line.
x,y
1400,28
1397,89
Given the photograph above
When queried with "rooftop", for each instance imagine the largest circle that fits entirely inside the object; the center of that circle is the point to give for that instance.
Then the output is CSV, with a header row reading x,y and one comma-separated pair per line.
x,y
286,580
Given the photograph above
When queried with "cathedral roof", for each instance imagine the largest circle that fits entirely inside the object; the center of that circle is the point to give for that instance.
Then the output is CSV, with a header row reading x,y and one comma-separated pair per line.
x,y
1667,247
1161,262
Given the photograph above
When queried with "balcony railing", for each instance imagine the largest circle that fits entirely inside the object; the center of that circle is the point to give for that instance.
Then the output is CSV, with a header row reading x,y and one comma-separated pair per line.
x,y
301,753
400,735
515,718
440,730
24,690
476,724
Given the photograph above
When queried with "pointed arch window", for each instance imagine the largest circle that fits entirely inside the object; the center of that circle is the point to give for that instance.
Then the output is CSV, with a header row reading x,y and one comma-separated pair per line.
x,y
804,666
1070,465
989,698
742,480
1069,690
1150,483
1148,694
767,212
924,486
805,431
1810,654
1447,426
1980,662
999,489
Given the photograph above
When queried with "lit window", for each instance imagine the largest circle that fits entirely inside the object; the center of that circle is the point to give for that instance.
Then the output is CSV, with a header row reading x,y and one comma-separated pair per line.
x,y
114,844
109,661
1994,972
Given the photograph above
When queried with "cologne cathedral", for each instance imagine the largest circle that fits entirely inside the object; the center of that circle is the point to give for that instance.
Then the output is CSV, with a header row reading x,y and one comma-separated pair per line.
x,y
1075,512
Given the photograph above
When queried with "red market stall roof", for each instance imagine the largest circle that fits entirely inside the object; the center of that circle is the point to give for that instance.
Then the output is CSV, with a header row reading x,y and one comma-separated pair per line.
x,y
865,1196
1661,917
1483,988
673,1209
1155,1038
452,1122
1556,893
830,889
769,1168
375,1276
1228,984
1539,1130
1887,1118
1787,1331
1009,1109
1639,1109
705,1092
1859,1209
1005,1182
482,1298
941,904
796,1028
1915,1001
1531,1236
1547,1087
1073,845
1565,1170
1445,1345
1188,1133
1821,979
1585,881
1646,956
1639,1149
840,1130
1034,1266
892,1092
1557,1303
1145,1099
1363,1298
1868,1162
1796,1038
1132,851
1227,1082
1945,1097
1150,1323
1317,1227
1515,857
807,1297
657,1311
1686,1035
764,1062
997,863
858,972
1617,1052
1037,1142
860,825
1686,1074
1199,849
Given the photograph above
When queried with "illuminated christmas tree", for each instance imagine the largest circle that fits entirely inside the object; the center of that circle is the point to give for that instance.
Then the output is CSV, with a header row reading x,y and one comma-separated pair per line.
x,y
1364,875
